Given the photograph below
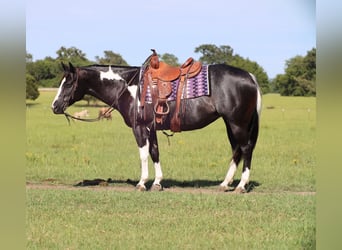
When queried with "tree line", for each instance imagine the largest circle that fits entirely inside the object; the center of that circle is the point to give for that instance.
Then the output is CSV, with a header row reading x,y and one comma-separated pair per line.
x,y
299,78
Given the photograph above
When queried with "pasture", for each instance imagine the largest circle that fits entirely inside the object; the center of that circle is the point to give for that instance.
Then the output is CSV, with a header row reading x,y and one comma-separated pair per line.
x,y
277,213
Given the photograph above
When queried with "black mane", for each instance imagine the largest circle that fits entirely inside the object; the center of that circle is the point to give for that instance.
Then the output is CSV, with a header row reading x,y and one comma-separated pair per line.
x,y
104,67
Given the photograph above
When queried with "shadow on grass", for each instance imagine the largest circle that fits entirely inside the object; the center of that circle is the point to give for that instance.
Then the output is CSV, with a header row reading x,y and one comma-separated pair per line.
x,y
31,105
168,183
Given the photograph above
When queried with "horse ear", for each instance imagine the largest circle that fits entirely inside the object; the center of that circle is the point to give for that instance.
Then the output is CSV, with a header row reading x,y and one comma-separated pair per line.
x,y
65,68
72,68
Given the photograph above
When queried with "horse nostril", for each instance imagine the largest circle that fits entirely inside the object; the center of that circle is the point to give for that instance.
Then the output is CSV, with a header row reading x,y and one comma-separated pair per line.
x,y
56,110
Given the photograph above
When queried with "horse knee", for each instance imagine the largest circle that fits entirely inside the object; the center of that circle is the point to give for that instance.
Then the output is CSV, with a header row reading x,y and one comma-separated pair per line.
x,y
154,152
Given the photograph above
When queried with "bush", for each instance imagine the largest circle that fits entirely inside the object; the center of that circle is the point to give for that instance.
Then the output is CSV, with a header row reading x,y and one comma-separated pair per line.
x,y
32,92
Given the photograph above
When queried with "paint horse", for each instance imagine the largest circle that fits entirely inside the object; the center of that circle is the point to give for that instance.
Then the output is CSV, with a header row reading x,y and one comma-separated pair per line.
x,y
234,96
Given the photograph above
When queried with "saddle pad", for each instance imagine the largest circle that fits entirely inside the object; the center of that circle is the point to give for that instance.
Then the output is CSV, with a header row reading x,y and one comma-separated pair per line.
x,y
195,87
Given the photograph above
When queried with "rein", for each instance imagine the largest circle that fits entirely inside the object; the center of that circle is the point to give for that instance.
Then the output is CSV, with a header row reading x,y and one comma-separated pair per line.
x,y
109,110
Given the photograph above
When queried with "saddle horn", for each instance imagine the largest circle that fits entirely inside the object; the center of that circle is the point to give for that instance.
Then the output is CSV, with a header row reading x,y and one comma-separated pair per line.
x,y
154,61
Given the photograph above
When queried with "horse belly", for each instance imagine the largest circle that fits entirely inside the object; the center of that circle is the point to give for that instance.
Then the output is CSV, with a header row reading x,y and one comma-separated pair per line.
x,y
198,113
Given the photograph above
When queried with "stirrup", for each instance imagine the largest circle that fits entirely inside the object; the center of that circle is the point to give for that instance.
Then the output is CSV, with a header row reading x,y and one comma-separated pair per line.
x,y
162,112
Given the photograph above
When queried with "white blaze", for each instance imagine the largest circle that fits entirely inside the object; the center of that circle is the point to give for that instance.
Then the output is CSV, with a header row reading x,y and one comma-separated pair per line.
x,y
110,75
59,91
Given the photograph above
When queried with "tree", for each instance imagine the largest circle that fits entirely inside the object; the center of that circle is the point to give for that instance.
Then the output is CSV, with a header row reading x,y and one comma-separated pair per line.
x,y
43,71
29,57
73,55
300,76
48,71
32,92
111,58
170,59
70,53
211,54
255,69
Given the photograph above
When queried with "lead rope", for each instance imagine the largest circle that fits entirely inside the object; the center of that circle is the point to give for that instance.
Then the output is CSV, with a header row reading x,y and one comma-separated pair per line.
x,y
168,136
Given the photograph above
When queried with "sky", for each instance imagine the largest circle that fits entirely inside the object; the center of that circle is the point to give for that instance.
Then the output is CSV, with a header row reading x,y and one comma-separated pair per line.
x,y
266,31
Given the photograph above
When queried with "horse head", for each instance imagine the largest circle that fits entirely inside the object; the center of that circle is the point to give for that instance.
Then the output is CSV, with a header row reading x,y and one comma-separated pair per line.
x,y
69,90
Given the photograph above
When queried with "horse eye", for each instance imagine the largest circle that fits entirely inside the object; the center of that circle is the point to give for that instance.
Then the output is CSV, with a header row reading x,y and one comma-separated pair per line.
x,y
68,84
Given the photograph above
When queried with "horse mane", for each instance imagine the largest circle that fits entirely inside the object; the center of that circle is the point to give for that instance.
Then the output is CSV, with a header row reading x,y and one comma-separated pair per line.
x,y
105,66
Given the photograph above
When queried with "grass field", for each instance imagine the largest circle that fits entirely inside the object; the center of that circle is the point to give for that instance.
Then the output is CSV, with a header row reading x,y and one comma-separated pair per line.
x,y
278,212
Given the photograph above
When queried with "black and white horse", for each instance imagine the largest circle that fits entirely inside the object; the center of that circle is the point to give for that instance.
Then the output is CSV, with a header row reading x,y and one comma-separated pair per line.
x,y
234,96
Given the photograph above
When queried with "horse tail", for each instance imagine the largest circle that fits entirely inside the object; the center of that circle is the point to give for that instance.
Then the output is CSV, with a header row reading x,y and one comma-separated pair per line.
x,y
254,124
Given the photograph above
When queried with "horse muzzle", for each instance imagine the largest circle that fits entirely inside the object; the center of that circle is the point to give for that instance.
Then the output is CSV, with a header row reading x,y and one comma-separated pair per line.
x,y
58,109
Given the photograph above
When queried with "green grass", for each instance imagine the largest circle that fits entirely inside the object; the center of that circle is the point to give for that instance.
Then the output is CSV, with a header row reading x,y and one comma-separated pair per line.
x,y
86,219
272,216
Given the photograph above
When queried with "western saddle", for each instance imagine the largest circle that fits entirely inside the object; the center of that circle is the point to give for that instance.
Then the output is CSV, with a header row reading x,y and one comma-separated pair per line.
x,y
159,75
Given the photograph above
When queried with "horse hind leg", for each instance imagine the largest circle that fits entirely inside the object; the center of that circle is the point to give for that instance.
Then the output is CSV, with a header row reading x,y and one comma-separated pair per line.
x,y
231,170
247,153
243,140
235,159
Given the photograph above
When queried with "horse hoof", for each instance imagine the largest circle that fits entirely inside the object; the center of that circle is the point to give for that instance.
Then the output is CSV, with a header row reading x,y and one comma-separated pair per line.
x,y
223,188
157,187
141,188
240,190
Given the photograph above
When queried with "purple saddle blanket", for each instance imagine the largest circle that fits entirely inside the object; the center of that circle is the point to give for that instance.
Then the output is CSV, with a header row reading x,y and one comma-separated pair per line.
x,y
195,87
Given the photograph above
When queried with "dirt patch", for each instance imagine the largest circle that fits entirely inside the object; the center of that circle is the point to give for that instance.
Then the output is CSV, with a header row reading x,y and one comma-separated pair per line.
x,y
131,188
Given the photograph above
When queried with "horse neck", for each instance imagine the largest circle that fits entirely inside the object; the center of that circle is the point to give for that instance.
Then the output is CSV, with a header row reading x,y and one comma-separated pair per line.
x,y
114,93
94,86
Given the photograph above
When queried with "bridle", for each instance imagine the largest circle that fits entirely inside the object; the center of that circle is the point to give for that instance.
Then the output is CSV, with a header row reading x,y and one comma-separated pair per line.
x,y
109,109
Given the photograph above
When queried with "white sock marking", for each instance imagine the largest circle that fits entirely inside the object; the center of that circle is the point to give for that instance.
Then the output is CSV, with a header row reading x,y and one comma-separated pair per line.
x,y
158,173
144,152
230,174
244,179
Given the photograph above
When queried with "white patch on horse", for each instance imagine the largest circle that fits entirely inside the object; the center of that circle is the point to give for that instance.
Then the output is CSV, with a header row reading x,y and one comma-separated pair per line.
x,y
144,152
133,91
59,91
230,174
244,179
259,104
110,75
158,173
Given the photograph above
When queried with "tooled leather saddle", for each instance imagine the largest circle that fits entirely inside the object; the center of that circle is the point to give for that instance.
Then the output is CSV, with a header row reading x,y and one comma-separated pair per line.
x,y
158,76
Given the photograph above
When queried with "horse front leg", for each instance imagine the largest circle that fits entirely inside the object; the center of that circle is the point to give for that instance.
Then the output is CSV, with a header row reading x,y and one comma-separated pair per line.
x,y
141,134
154,152
148,144
143,152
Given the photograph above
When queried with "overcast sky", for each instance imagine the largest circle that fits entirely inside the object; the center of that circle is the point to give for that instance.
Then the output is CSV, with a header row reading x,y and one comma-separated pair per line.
x,y
266,31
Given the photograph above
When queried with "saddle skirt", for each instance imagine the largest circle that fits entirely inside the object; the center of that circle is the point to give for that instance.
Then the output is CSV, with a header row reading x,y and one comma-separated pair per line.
x,y
195,87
